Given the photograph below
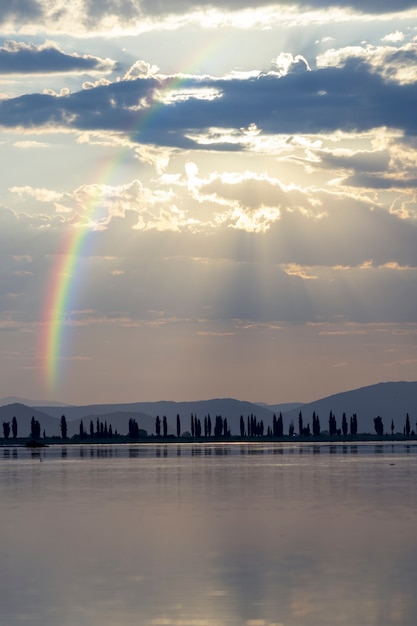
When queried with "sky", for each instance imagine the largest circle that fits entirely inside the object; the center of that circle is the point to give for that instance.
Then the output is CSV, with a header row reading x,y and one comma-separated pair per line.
x,y
207,199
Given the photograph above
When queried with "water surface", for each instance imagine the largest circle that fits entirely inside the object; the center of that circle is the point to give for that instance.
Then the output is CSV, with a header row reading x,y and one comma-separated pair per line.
x,y
209,535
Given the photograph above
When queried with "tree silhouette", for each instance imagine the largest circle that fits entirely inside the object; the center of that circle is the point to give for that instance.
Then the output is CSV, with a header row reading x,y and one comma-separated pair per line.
x,y
82,433
242,426
158,426
197,427
316,425
332,424
14,428
378,425
91,429
344,425
6,430
178,426
407,425
35,428
353,425
133,429
392,427
300,423
218,426
63,427
280,426
165,426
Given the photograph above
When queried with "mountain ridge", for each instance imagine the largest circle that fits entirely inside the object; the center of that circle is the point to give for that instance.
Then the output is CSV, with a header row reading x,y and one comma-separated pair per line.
x,y
390,400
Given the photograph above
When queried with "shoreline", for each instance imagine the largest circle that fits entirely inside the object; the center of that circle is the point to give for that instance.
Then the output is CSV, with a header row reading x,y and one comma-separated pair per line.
x,y
25,442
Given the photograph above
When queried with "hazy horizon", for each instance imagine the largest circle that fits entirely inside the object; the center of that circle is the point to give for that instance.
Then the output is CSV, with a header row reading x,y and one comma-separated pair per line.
x,y
59,402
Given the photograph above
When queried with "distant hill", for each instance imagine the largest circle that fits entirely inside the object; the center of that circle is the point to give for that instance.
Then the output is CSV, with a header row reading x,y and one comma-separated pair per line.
x,y
282,408
24,416
27,402
227,407
119,421
391,401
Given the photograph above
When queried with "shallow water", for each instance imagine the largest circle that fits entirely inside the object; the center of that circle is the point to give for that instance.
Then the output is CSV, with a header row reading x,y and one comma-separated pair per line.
x,y
209,535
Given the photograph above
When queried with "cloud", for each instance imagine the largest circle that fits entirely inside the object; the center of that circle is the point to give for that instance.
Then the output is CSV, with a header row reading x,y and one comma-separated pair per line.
x,y
394,37
23,11
347,98
286,63
393,64
48,58
130,8
30,144
323,256
115,16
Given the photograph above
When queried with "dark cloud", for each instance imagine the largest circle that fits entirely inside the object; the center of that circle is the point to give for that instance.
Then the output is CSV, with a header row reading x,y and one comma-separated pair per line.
x,y
351,98
373,181
128,8
22,11
20,58
365,161
33,11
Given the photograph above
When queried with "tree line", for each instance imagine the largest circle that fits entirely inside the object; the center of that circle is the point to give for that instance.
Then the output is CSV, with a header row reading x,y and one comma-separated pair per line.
x,y
251,427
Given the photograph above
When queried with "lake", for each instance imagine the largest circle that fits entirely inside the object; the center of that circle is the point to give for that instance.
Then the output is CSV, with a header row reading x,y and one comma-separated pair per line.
x,y
209,535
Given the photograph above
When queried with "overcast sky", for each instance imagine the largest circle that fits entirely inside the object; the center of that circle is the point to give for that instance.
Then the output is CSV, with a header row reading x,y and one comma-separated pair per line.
x,y
238,179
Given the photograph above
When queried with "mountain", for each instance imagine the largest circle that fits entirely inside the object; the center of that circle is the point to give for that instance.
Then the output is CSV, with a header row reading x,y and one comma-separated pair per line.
x,y
24,415
25,401
391,401
282,408
227,407
119,421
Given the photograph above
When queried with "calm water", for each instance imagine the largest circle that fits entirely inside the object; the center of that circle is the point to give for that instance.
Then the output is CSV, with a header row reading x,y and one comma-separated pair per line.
x,y
215,535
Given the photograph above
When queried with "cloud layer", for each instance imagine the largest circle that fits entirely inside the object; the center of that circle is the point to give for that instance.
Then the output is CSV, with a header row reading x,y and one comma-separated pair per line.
x,y
169,111
22,58
231,218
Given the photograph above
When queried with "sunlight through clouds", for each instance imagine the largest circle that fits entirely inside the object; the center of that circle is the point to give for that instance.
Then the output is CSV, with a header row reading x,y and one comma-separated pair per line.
x,y
221,179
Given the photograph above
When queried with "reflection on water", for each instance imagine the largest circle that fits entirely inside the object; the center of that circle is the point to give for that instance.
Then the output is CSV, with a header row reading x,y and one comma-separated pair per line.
x,y
209,535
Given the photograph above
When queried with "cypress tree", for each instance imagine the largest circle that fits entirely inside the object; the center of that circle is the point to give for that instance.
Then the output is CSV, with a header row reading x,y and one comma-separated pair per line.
x,y
300,423
344,425
280,426
407,425
63,427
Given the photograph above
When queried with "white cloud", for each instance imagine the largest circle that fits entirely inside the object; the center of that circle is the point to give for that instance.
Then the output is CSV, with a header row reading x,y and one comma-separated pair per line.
x,y
286,63
30,144
393,63
394,37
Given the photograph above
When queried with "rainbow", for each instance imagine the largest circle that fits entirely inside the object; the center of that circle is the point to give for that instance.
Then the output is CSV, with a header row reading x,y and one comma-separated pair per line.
x,y
60,296
62,283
